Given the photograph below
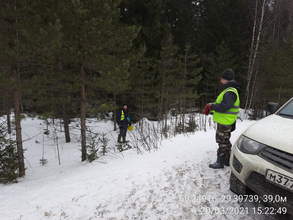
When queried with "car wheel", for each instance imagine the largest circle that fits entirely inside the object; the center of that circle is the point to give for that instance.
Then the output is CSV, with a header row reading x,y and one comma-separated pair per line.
x,y
236,185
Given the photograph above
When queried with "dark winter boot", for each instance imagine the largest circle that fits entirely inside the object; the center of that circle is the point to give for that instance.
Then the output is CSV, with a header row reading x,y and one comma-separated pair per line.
x,y
227,161
124,139
219,164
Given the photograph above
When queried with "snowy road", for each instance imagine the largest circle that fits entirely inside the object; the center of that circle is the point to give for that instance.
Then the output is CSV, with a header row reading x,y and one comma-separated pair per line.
x,y
171,183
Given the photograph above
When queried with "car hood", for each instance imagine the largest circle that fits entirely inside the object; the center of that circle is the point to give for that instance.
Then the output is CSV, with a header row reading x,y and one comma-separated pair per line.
x,y
274,131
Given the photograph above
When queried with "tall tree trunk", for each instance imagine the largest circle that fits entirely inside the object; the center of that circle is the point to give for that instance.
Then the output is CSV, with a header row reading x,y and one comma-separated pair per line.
x,y
253,52
115,114
66,122
7,110
82,115
142,108
8,122
17,122
64,112
253,93
250,57
162,96
184,92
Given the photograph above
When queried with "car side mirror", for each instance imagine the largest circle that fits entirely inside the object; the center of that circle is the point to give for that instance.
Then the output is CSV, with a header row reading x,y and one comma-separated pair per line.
x,y
272,107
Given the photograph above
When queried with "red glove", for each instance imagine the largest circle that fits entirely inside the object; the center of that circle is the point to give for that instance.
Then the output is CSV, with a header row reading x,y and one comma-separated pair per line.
x,y
207,109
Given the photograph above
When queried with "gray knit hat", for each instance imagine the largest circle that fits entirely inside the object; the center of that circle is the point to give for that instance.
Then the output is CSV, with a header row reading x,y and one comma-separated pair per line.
x,y
228,74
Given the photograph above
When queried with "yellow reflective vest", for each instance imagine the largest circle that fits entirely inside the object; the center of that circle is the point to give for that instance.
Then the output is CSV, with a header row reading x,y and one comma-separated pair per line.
x,y
230,116
122,115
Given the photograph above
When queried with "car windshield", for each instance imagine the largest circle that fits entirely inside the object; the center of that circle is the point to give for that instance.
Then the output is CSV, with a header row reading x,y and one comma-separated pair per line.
x,y
287,110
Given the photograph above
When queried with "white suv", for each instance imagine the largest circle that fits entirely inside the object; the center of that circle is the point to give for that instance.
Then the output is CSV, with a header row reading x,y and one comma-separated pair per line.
x,y
262,158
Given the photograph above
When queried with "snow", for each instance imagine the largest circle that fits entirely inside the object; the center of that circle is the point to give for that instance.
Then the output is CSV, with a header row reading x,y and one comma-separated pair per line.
x,y
171,182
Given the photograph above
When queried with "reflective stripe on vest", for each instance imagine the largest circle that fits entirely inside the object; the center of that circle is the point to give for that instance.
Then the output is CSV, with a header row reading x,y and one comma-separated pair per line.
x,y
228,117
122,115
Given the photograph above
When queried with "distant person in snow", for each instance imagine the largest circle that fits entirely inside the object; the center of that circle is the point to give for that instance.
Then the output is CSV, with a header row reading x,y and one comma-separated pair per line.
x,y
225,111
123,122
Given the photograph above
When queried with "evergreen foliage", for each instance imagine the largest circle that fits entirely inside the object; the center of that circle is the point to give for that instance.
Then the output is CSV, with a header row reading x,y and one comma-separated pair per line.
x,y
97,145
142,96
276,76
169,78
188,93
67,59
223,20
221,60
183,18
8,158
149,16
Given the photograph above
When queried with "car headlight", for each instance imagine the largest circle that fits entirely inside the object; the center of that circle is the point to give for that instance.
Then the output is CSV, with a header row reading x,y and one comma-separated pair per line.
x,y
249,146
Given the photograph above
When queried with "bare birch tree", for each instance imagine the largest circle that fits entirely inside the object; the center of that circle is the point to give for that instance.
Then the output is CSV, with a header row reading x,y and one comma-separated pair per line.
x,y
257,30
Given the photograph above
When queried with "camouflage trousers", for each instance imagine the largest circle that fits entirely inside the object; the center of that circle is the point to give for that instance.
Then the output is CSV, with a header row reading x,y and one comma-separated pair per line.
x,y
223,135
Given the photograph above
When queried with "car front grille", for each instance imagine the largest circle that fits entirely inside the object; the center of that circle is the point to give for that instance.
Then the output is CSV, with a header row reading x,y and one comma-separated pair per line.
x,y
258,184
277,157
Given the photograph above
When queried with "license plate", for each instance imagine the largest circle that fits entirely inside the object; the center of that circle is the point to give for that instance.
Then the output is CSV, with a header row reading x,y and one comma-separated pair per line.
x,y
280,179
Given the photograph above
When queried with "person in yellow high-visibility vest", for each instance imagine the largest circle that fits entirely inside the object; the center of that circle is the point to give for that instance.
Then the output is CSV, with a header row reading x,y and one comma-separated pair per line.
x,y
123,122
225,111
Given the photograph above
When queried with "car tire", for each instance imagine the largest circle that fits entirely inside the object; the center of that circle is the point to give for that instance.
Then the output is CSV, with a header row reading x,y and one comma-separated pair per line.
x,y
237,186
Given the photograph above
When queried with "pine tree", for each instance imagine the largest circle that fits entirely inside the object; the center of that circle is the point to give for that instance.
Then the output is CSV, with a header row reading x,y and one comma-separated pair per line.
x,y
223,20
113,72
9,63
221,60
44,86
169,84
97,50
191,76
149,16
143,92
8,159
23,48
181,16
276,74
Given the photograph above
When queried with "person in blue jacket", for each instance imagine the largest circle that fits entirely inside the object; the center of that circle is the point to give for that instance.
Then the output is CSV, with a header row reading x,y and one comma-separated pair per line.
x,y
123,122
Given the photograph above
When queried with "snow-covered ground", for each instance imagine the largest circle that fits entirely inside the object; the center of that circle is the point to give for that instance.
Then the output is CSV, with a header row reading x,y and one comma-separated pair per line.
x,y
172,182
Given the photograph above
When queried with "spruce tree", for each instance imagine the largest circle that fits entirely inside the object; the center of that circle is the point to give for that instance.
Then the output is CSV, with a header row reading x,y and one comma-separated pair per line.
x,y
142,95
189,91
276,75
221,60
223,20
8,157
11,49
24,42
181,16
97,50
113,71
150,17
169,80
44,86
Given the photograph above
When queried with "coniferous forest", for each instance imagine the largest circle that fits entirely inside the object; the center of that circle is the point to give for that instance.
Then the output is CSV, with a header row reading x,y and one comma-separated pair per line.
x,y
83,58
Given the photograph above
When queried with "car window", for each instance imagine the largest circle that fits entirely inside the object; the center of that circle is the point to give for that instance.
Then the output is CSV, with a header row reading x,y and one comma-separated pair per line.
x,y
287,110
